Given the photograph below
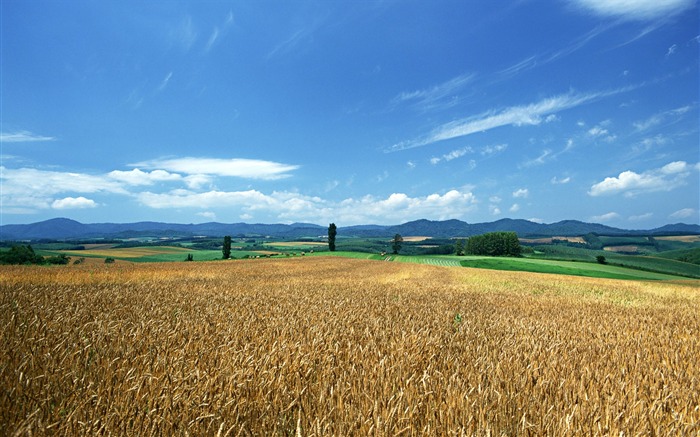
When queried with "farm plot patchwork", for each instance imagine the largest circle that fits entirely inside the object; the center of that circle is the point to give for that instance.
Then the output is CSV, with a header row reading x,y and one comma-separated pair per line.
x,y
327,346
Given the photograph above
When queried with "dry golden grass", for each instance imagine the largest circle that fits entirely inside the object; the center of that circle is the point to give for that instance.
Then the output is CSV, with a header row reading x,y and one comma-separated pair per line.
x,y
332,346
683,238
130,252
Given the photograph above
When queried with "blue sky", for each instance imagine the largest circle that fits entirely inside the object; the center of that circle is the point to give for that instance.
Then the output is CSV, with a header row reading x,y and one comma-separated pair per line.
x,y
351,112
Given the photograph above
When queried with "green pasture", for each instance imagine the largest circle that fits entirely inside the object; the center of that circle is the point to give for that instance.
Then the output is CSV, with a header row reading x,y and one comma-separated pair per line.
x,y
564,268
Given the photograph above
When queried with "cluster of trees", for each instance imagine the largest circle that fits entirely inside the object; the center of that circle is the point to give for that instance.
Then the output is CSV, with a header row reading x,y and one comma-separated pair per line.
x,y
26,255
490,244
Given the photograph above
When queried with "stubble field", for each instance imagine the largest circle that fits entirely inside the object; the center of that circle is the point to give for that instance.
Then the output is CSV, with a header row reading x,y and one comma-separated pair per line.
x,y
336,346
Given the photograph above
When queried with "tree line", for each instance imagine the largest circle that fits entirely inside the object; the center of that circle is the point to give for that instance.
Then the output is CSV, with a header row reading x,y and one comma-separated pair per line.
x,y
26,255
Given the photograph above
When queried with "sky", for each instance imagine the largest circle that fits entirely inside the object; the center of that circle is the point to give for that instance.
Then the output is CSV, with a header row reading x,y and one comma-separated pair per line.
x,y
352,112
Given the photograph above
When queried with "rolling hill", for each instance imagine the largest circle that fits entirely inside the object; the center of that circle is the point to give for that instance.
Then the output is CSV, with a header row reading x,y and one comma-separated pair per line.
x,y
64,228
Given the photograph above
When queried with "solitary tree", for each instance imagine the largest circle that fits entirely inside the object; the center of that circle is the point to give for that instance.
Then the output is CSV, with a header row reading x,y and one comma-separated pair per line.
x,y
396,245
332,231
227,247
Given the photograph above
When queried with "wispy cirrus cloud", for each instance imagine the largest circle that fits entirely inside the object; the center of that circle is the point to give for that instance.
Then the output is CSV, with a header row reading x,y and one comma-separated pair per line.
x,y
236,167
630,183
662,117
635,9
165,81
23,137
218,32
440,96
523,115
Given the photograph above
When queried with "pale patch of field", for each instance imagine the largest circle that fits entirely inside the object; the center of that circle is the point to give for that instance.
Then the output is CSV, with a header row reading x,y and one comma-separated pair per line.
x,y
683,238
320,346
549,240
130,252
621,248
415,238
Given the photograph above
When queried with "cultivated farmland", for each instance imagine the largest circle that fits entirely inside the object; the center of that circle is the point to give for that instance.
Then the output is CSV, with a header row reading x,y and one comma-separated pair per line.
x,y
336,346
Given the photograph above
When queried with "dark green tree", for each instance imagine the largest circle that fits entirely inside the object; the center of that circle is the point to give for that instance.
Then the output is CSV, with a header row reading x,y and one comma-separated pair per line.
x,y
494,244
600,259
226,250
332,231
396,244
20,255
459,247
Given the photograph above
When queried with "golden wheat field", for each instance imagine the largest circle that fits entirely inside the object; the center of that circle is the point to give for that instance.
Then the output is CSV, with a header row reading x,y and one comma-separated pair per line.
x,y
322,346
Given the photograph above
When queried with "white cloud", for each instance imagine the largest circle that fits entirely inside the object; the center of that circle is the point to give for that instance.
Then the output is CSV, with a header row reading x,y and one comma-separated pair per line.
x,y
532,114
492,150
164,82
599,131
207,215
198,181
635,9
439,96
25,181
683,213
411,165
543,158
22,137
557,181
535,220
243,168
138,177
514,208
662,117
398,207
73,203
641,217
671,50
494,210
452,155
495,199
605,217
666,178
521,193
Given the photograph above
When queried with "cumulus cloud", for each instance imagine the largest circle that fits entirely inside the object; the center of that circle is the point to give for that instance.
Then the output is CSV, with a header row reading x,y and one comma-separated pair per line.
x,y
521,193
73,203
236,167
139,177
630,184
514,208
635,9
295,206
605,217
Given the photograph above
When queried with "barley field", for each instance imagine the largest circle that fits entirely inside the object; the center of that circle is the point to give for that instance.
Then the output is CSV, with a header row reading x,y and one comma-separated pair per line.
x,y
322,346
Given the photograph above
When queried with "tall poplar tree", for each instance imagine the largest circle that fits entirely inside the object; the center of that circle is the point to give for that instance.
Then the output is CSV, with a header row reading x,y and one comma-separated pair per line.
x,y
227,247
332,231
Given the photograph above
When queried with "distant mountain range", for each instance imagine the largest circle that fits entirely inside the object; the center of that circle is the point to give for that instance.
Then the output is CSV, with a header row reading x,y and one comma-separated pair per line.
x,y
66,229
